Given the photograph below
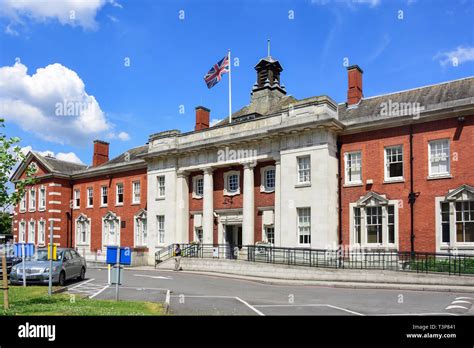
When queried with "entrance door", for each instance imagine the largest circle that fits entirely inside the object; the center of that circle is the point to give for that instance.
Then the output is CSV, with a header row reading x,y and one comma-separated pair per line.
x,y
233,238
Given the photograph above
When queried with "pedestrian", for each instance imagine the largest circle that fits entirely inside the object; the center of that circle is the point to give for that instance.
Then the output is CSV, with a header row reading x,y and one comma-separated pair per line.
x,y
177,259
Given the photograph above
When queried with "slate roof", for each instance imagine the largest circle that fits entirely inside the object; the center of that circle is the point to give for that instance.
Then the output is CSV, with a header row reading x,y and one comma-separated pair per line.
x,y
60,166
133,156
426,96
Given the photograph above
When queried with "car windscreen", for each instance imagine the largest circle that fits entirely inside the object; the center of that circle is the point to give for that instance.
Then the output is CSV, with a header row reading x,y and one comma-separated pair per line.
x,y
42,255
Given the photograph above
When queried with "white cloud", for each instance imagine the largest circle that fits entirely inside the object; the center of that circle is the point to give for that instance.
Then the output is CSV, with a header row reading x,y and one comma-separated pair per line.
x,y
214,121
66,12
123,136
51,103
10,31
456,57
63,156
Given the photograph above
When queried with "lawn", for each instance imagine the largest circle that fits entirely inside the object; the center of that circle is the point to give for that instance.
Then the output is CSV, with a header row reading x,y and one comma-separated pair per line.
x,y
34,300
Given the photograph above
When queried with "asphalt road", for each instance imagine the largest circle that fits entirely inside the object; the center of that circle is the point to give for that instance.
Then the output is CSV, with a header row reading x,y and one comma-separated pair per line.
x,y
197,294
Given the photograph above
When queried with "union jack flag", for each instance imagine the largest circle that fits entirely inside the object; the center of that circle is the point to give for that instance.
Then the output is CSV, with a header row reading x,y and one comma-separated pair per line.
x,y
215,74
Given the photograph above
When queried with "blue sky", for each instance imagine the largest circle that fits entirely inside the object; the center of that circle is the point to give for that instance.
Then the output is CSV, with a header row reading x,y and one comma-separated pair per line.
x,y
83,57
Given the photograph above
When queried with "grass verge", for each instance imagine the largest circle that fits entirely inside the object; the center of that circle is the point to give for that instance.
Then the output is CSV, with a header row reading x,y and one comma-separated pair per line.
x,y
34,300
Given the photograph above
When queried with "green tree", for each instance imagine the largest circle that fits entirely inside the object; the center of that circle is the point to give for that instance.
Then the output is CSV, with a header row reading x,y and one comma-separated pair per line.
x,y
5,223
10,157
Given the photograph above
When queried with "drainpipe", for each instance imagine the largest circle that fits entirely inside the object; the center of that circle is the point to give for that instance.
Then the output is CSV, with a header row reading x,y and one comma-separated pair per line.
x,y
69,233
339,192
412,198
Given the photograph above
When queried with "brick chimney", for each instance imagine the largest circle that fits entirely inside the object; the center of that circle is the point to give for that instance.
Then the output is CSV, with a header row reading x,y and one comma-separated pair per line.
x,y
101,153
354,93
202,118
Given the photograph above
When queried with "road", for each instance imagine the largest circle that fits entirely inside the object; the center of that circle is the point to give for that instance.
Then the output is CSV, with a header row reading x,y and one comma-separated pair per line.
x,y
198,294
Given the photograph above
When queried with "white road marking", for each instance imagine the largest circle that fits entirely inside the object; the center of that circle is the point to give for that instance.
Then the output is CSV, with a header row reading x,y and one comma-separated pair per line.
x,y
311,305
416,314
154,277
464,298
84,282
250,306
98,292
455,307
460,302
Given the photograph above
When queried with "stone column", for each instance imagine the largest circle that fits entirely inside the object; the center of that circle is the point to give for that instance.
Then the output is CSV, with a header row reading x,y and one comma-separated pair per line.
x,y
248,217
208,207
182,205
277,215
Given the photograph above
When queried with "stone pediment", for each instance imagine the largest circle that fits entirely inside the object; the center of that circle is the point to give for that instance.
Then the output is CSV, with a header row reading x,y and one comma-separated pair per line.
x,y
462,193
372,199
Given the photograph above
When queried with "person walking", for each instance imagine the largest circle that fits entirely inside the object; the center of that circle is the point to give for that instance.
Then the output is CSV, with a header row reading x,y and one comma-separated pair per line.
x,y
177,259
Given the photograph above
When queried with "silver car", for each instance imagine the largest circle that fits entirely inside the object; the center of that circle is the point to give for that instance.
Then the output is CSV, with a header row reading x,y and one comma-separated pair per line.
x,y
69,265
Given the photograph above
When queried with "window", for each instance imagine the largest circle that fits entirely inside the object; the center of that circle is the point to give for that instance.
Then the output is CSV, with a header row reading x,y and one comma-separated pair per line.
x,y
42,198
136,192
161,228
32,203
41,232
374,224
23,202
77,198
161,187
445,223
119,195
357,226
353,168
232,183
268,179
111,229
391,224
198,234
82,230
140,229
270,233
304,170
103,195
439,157
31,231
394,162
465,222
22,232
90,197
198,186
304,225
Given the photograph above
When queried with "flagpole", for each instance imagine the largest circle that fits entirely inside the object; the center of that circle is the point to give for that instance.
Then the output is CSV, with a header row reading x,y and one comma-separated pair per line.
x,y
230,89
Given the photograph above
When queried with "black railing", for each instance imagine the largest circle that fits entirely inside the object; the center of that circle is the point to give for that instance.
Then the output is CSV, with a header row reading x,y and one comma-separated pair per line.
x,y
447,263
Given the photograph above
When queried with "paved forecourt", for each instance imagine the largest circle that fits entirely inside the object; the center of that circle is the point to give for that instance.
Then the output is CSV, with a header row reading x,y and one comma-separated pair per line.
x,y
199,294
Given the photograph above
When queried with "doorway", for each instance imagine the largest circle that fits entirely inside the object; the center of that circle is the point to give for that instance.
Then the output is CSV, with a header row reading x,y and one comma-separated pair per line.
x,y
233,238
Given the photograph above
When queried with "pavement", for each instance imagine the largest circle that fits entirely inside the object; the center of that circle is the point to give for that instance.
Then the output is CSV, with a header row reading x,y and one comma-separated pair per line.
x,y
205,294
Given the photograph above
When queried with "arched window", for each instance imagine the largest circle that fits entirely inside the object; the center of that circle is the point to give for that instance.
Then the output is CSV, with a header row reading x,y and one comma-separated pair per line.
x,y
111,229
140,228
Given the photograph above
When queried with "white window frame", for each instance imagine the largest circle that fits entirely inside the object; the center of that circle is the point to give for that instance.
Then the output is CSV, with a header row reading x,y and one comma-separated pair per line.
x,y
348,167
42,198
303,226
102,196
22,232
141,233
119,186
32,199
387,163
227,176
161,229
107,222
83,227
23,202
198,234
76,198
303,173
136,192
196,193
161,186
263,179
430,158
90,194
463,220
31,232
363,228
41,232
267,238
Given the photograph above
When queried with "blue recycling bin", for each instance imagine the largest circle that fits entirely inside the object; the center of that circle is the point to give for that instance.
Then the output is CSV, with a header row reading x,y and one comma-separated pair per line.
x,y
125,255
29,250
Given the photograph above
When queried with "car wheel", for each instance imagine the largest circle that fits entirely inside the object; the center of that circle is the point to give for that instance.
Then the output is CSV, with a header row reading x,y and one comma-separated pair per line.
x,y
82,276
62,278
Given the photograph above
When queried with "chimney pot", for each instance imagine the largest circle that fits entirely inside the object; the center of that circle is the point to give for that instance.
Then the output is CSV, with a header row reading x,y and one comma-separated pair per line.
x,y
202,118
101,153
354,92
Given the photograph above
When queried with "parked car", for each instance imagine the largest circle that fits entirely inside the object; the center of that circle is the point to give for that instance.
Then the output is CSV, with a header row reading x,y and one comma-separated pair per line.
x,y
69,265
12,260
